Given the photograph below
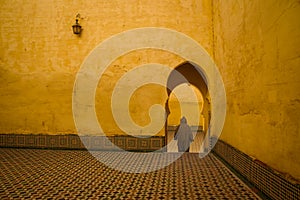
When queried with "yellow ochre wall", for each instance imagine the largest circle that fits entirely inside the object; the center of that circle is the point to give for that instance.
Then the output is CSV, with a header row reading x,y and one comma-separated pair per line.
x,y
255,44
40,55
257,49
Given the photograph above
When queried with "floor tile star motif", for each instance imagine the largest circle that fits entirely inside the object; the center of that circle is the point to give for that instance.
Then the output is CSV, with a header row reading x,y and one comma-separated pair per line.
x,y
77,174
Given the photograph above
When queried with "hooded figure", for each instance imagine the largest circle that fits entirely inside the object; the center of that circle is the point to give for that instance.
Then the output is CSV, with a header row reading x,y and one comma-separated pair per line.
x,y
184,136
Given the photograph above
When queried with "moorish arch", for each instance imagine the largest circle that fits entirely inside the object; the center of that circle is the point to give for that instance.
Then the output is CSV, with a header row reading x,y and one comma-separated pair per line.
x,y
187,73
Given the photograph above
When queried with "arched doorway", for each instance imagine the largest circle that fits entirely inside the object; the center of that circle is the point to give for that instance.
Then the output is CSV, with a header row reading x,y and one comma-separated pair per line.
x,y
186,75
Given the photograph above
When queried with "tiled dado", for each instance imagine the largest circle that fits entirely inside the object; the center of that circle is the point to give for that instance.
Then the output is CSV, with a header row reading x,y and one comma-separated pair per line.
x,y
83,142
271,183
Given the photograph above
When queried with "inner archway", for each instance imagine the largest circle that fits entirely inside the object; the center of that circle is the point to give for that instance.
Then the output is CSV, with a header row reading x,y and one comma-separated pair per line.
x,y
183,76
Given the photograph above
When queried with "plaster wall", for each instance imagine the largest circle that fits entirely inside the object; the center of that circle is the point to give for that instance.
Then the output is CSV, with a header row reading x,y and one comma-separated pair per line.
x,y
256,47
40,56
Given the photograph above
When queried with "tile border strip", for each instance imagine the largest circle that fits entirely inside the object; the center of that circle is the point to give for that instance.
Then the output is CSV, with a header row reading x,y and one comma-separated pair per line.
x,y
270,182
73,141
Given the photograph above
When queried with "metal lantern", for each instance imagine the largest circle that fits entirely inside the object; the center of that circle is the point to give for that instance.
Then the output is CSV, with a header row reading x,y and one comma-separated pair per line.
x,y
76,27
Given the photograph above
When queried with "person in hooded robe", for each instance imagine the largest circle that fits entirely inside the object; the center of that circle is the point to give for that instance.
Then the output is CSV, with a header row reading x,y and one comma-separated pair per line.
x,y
184,136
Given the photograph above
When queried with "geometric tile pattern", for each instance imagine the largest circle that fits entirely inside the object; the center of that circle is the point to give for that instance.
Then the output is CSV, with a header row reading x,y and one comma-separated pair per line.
x,y
41,141
195,146
270,182
76,174
73,141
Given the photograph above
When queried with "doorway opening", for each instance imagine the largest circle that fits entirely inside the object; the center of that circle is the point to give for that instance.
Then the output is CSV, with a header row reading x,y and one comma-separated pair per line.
x,y
184,82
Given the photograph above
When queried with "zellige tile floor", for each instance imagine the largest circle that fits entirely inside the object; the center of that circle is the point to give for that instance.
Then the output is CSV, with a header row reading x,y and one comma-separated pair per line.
x,y
75,174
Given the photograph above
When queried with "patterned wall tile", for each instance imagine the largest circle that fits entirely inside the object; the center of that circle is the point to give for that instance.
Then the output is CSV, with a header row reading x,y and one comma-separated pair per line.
x,y
52,141
3,140
86,141
132,143
11,139
156,143
120,142
96,142
20,140
41,141
74,141
143,143
109,143
83,142
30,141
271,183
63,141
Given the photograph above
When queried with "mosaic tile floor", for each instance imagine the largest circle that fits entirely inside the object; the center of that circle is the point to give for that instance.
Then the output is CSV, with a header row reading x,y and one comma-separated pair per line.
x,y
65,174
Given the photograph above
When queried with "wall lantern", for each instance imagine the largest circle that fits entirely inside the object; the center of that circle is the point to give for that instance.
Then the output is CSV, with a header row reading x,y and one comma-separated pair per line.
x,y
76,27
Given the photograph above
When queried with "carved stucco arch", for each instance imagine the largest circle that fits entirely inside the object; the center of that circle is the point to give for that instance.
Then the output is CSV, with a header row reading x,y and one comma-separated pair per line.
x,y
189,73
